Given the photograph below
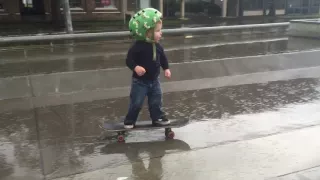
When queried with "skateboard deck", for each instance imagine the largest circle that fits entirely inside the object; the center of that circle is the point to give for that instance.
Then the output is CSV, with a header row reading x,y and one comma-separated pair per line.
x,y
144,125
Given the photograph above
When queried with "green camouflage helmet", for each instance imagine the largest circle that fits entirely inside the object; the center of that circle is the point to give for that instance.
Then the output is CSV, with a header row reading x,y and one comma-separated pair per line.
x,y
142,21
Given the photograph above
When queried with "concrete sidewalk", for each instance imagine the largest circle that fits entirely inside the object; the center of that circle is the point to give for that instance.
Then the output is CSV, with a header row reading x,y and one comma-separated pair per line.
x,y
254,159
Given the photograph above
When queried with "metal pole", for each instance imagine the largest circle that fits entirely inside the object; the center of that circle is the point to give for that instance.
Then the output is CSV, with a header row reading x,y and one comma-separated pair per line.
x,y
161,6
224,8
182,8
124,10
67,16
237,11
264,7
240,8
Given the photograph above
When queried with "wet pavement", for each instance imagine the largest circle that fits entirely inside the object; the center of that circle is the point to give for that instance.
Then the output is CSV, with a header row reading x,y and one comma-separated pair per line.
x,y
82,86
253,105
43,61
231,127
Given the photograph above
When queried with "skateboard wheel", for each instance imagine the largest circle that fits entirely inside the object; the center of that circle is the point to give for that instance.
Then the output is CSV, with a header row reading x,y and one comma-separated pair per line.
x,y
170,135
120,138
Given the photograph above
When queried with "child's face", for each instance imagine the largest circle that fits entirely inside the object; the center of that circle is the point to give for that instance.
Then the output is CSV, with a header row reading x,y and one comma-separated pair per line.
x,y
158,32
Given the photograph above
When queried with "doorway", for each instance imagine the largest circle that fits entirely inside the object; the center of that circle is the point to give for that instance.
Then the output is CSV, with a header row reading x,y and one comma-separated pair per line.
x,y
32,10
32,7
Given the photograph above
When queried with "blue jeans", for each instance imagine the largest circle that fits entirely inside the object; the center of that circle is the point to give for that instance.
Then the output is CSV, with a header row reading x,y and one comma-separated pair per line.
x,y
139,90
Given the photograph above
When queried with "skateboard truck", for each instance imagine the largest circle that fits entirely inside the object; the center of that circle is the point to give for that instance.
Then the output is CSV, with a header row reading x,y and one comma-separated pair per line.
x,y
168,133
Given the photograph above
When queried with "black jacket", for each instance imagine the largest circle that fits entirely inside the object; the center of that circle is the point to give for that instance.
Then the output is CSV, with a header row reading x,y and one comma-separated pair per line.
x,y
141,54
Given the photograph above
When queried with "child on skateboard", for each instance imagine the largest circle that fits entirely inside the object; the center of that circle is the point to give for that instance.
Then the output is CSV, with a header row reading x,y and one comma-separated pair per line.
x,y
144,58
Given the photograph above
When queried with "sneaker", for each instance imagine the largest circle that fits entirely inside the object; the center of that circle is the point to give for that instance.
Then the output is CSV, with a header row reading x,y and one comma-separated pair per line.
x,y
128,126
162,121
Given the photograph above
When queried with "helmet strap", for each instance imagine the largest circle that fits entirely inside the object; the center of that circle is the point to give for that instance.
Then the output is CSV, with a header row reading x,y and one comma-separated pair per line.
x,y
154,51
154,46
151,40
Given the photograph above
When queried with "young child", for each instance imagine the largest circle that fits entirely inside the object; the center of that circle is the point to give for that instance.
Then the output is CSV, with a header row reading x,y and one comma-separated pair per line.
x,y
145,58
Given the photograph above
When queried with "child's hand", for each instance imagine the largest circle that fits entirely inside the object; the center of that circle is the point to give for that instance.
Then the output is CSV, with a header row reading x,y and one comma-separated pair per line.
x,y
140,70
167,73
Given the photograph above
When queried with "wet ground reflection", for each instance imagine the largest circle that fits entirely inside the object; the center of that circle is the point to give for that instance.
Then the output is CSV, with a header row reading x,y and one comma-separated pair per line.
x,y
138,152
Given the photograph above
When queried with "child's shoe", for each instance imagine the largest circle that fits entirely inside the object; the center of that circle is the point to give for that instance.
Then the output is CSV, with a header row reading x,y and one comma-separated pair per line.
x,y
162,122
128,125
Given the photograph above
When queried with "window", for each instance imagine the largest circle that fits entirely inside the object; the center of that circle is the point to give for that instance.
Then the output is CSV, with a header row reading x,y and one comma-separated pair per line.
x,y
28,3
294,3
305,3
252,4
106,4
75,3
315,6
316,3
280,4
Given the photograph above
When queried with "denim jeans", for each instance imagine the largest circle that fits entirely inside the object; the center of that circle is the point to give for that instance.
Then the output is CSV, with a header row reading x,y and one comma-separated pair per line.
x,y
139,90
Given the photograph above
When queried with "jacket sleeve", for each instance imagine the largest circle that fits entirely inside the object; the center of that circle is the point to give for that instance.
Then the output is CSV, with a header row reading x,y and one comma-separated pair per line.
x,y
163,59
130,60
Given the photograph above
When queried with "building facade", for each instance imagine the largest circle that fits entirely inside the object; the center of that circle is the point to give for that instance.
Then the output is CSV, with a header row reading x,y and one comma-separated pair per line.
x,y
303,7
263,7
18,10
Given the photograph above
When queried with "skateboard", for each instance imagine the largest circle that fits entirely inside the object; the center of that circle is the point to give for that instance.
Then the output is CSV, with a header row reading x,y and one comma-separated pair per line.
x,y
144,125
